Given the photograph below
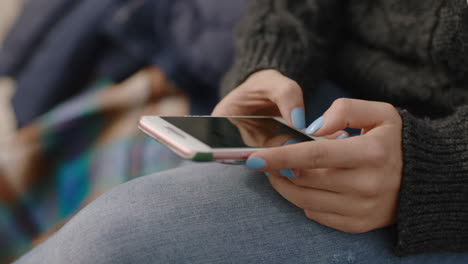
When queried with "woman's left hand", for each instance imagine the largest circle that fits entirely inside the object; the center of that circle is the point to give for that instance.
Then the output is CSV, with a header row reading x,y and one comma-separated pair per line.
x,y
351,184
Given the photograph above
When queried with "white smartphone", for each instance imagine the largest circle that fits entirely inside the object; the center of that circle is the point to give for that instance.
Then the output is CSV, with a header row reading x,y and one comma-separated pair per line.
x,y
223,139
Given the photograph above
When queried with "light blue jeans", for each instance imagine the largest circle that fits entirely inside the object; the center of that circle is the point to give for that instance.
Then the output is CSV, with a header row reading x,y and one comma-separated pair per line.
x,y
210,213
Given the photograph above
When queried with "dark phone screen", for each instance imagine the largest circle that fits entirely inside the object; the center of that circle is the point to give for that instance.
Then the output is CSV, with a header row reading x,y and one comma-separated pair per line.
x,y
222,132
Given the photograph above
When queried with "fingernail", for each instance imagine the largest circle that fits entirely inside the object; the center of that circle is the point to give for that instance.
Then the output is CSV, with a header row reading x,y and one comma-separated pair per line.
x,y
267,174
315,126
255,163
298,118
290,142
343,136
288,173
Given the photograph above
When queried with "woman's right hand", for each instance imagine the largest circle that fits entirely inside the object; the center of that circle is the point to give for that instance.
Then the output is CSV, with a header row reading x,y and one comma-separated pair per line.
x,y
265,93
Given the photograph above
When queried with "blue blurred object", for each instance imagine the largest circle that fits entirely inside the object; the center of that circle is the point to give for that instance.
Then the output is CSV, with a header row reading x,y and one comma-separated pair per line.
x,y
32,25
63,62
192,41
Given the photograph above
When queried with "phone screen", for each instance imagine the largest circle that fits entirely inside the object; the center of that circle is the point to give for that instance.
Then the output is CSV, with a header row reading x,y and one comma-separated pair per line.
x,y
222,132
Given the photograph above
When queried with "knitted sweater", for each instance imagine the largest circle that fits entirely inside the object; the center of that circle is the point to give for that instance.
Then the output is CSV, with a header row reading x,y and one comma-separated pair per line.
x,y
411,53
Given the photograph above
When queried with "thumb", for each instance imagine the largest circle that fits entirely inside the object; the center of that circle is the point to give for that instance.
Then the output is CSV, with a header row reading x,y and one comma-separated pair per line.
x,y
351,113
288,97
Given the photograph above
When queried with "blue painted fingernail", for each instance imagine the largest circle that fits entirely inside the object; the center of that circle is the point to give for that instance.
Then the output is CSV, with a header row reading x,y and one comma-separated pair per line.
x,y
298,118
290,142
255,163
343,136
315,126
288,173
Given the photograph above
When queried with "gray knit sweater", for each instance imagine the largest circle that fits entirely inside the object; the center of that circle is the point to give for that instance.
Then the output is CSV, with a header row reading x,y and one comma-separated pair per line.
x,y
411,53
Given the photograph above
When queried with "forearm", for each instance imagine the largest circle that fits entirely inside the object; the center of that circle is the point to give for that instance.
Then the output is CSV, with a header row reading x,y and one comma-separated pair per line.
x,y
433,212
293,37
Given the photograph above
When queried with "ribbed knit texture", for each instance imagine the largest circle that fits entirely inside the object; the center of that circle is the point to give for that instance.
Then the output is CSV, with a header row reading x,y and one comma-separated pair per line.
x,y
413,54
433,214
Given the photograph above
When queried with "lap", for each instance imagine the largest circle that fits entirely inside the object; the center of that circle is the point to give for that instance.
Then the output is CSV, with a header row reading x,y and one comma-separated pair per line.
x,y
208,214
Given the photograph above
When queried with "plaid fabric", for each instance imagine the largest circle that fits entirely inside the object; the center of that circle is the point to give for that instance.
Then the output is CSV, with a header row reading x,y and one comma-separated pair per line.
x,y
81,149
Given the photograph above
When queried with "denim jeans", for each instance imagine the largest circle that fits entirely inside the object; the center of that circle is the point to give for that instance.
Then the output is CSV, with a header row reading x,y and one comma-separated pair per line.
x,y
210,213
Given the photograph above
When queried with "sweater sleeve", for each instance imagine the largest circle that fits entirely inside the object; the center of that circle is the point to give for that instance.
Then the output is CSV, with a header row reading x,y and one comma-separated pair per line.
x,y
433,212
286,36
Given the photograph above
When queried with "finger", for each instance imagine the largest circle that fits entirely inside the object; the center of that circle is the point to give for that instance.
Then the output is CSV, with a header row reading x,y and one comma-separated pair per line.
x,y
338,135
310,199
333,180
352,113
339,222
352,152
356,183
288,96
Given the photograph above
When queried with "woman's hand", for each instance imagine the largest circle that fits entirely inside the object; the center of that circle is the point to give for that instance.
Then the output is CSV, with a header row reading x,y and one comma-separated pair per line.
x,y
267,93
352,184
